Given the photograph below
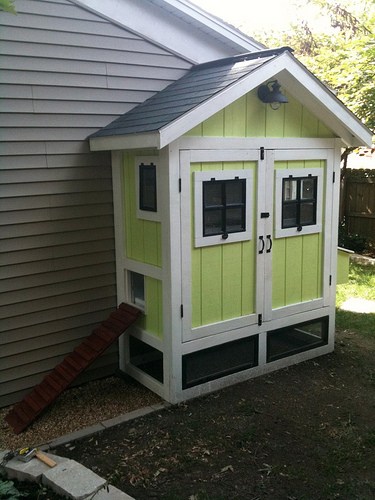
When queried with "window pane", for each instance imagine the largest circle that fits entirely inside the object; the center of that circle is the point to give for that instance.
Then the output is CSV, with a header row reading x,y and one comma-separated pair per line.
x,y
137,289
308,188
212,194
213,222
290,215
289,189
235,191
235,220
147,187
307,214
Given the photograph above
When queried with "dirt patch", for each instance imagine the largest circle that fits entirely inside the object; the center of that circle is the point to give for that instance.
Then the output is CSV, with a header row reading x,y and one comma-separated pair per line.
x,y
300,433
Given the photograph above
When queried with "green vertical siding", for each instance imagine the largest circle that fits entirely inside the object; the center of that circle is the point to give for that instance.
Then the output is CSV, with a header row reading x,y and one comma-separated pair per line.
x,y
249,117
142,237
223,276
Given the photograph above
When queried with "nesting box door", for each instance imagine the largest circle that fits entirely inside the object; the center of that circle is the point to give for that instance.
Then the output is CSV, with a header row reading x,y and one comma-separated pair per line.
x,y
255,228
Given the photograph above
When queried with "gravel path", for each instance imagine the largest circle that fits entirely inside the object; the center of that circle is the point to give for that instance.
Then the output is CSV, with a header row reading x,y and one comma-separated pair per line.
x,y
77,408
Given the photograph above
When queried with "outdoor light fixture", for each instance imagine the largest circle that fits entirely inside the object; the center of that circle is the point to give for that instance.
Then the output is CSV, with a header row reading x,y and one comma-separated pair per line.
x,y
270,93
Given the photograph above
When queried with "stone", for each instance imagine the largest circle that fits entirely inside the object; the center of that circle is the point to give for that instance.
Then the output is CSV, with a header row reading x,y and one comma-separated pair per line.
x,y
73,480
111,493
30,471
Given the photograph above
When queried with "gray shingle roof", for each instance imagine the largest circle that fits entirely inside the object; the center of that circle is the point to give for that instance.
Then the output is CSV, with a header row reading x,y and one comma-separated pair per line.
x,y
201,83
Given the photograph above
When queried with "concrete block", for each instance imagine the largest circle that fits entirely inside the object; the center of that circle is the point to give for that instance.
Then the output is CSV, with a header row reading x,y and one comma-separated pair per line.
x,y
128,416
111,493
73,480
30,471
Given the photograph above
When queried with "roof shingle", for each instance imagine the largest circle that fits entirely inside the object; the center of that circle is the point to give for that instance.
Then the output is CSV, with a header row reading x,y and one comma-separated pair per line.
x,y
199,84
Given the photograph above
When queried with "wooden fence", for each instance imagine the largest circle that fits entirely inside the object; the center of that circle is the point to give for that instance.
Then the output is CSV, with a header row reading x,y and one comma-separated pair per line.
x,y
358,202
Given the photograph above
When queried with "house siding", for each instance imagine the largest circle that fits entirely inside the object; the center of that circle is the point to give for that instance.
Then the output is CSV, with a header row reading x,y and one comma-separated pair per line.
x,y
65,73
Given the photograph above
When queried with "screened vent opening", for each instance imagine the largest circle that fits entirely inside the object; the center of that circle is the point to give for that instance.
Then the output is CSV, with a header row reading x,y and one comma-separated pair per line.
x,y
296,338
216,362
146,358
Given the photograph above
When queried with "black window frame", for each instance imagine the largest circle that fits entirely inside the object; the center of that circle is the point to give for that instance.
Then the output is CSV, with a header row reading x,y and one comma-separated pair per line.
x,y
298,202
224,206
143,205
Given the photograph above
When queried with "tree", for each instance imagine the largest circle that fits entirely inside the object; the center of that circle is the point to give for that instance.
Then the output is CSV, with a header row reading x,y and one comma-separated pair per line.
x,y
7,6
344,57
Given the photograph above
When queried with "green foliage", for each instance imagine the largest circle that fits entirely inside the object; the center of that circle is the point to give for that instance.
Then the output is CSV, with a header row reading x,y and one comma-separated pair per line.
x,y
7,6
8,491
342,57
350,241
361,285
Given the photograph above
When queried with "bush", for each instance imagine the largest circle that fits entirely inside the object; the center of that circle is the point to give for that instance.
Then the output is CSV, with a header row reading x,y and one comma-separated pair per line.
x,y
353,242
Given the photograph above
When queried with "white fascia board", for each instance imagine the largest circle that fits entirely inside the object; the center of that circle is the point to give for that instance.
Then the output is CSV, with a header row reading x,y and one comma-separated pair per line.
x,y
120,142
299,82
190,41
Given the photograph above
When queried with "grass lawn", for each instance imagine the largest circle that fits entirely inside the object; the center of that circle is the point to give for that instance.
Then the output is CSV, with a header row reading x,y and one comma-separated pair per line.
x,y
361,285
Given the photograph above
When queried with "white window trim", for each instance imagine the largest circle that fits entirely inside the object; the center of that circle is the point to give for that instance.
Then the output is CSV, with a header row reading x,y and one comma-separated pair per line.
x,y
146,214
281,174
199,178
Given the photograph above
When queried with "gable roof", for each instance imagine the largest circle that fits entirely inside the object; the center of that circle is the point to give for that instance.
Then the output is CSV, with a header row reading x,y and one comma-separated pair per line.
x,y
209,87
176,25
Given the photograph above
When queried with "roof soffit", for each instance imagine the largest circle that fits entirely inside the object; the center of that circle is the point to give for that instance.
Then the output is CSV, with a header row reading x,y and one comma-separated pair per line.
x,y
176,26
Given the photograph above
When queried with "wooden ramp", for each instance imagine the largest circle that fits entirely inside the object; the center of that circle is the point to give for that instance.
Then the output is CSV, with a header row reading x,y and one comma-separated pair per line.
x,y
26,411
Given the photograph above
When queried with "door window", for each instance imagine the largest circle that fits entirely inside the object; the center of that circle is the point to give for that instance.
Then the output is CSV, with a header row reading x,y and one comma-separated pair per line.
x,y
298,201
223,206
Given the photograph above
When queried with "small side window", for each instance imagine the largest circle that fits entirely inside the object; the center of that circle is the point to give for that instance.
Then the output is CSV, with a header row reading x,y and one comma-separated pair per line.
x,y
298,201
146,188
137,289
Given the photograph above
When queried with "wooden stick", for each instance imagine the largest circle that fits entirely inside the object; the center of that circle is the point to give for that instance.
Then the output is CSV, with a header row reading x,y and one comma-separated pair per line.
x,y
46,460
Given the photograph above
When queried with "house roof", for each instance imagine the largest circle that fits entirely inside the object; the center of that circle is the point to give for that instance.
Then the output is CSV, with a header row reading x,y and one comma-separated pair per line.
x,y
207,88
177,25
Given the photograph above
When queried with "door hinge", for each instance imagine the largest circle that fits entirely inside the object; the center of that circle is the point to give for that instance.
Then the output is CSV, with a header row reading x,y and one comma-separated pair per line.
x,y
260,319
182,310
330,279
179,185
262,153
333,177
